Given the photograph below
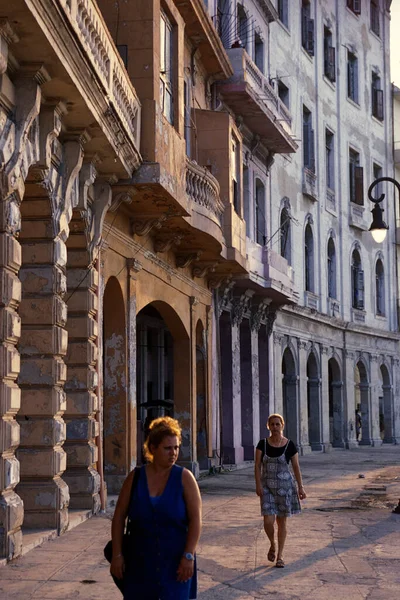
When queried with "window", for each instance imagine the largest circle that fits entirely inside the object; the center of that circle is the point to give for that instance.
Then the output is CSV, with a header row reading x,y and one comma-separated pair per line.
x,y
377,97
283,11
309,258
259,213
380,288
377,173
357,281
375,17
246,199
283,93
222,22
188,128
285,241
259,51
356,177
235,167
352,76
355,6
307,28
330,159
166,67
242,25
331,269
329,56
308,141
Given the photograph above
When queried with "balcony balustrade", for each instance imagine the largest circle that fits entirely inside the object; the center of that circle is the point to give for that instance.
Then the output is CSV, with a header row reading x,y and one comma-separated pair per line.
x,y
203,189
87,22
250,94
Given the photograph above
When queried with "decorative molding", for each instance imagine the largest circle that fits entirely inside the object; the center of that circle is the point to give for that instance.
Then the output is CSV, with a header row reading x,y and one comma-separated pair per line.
x,y
122,197
145,224
240,306
164,242
302,344
184,259
98,211
201,268
194,301
258,314
278,338
225,297
216,281
349,354
134,265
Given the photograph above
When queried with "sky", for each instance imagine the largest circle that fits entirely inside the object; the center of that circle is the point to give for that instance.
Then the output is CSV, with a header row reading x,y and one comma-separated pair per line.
x,y
395,42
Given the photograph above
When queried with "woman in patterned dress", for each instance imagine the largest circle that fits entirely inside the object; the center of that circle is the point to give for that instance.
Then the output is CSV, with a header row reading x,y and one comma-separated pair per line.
x,y
275,486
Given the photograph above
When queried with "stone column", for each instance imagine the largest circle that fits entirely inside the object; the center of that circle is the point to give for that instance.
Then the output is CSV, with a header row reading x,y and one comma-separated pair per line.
x,y
11,506
134,267
265,367
396,400
325,422
276,403
388,413
43,346
304,445
82,400
250,388
349,404
375,389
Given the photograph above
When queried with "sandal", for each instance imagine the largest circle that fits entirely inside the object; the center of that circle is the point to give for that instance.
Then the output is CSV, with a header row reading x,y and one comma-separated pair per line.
x,y
271,555
279,564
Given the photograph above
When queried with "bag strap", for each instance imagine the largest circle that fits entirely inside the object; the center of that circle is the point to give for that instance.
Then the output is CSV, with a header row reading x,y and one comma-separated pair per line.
x,y
135,480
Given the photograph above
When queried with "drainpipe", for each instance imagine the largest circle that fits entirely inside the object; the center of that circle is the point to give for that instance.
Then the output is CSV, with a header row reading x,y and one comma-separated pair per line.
x,y
99,413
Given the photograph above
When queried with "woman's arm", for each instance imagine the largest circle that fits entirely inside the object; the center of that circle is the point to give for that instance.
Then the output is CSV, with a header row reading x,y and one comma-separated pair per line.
x,y
257,472
191,494
297,474
118,526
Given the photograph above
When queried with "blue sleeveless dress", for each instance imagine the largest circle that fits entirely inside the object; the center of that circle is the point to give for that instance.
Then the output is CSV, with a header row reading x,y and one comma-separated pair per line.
x,y
159,530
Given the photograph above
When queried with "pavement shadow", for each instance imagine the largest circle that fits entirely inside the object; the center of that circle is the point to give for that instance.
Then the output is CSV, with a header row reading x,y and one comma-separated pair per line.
x,y
253,582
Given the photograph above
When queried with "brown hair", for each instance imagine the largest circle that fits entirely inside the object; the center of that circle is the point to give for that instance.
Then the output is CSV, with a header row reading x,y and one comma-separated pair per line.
x,y
276,416
158,430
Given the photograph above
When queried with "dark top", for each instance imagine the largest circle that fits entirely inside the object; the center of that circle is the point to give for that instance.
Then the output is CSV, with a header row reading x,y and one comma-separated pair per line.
x,y
273,452
159,530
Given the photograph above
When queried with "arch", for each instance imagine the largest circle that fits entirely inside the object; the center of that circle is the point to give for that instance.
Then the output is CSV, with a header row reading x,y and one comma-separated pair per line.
x,y
163,371
259,211
332,278
386,408
314,402
290,395
116,426
259,49
336,408
201,398
362,402
285,234
379,288
309,258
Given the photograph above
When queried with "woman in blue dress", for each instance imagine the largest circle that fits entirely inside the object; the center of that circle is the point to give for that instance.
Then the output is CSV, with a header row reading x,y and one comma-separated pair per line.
x,y
164,522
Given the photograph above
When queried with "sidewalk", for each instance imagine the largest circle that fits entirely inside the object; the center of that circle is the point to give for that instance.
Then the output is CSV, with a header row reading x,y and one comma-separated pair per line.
x,y
344,544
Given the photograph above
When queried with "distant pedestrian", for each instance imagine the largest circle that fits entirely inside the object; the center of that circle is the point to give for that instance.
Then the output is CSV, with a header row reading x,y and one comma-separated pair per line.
x,y
279,496
358,425
164,519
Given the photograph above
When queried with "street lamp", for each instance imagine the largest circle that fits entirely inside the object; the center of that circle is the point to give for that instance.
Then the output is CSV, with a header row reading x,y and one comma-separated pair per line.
x,y
378,227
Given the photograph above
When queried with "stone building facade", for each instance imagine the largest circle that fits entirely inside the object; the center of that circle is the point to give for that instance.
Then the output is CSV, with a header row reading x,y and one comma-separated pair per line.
x,y
155,206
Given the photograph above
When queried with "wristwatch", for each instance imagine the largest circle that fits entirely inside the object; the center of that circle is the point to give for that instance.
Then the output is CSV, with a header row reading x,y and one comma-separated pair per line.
x,y
188,556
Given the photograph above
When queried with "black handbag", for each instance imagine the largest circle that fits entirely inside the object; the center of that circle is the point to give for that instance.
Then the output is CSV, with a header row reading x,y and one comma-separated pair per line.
x,y
125,541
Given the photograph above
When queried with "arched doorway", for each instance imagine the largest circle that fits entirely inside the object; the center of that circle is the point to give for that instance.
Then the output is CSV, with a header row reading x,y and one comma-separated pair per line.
x,y
362,402
336,428
386,406
115,406
313,403
163,373
289,396
201,398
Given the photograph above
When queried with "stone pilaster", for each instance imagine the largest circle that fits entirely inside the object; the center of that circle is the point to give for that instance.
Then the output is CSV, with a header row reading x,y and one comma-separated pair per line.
x,y
396,400
134,268
303,404
375,390
349,401
276,405
265,370
325,421
250,402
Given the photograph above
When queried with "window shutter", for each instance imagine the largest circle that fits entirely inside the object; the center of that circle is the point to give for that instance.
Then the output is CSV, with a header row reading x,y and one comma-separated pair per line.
x,y
285,15
311,150
306,144
304,30
349,79
359,185
310,37
360,289
350,4
357,7
379,104
355,80
331,63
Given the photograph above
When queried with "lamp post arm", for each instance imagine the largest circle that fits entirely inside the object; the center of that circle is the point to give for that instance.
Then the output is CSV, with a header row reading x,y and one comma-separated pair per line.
x,y
377,182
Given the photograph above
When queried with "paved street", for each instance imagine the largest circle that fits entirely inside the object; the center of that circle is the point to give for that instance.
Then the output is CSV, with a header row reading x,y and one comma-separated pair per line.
x,y
344,544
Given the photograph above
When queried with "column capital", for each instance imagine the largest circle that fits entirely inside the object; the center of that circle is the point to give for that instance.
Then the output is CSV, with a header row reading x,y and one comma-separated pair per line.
x,y
240,305
134,266
278,338
302,344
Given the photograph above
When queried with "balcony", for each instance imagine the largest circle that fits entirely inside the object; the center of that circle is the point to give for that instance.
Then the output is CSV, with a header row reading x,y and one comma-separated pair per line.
x,y
270,271
250,95
309,184
358,218
202,190
199,28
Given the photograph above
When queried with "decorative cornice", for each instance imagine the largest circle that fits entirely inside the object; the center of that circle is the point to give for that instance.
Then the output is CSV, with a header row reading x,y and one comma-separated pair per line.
x,y
240,306
164,242
119,198
184,259
225,297
201,268
134,265
144,225
258,314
